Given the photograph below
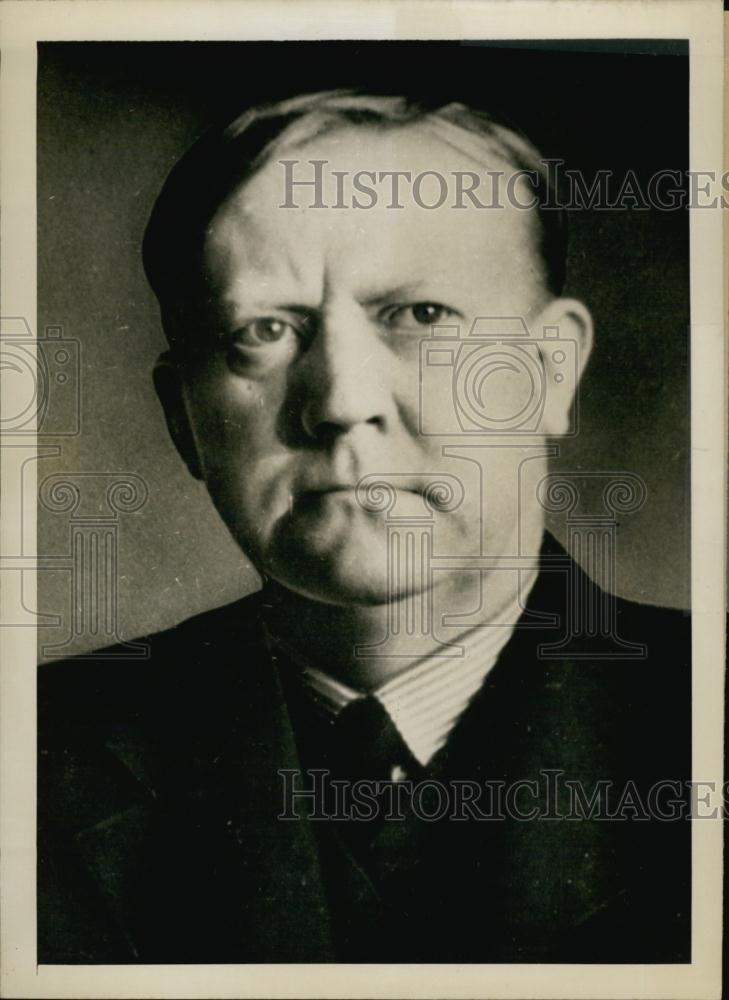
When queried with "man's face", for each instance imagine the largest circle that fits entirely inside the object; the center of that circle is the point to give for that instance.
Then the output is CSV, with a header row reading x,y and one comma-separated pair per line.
x,y
311,374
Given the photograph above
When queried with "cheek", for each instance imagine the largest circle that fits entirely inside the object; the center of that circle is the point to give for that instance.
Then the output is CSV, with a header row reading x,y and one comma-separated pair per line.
x,y
233,418
244,462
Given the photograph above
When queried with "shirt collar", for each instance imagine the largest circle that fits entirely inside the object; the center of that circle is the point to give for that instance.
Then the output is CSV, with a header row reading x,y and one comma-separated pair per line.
x,y
426,700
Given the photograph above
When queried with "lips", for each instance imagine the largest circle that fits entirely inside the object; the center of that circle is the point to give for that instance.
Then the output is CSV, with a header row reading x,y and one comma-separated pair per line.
x,y
352,487
377,496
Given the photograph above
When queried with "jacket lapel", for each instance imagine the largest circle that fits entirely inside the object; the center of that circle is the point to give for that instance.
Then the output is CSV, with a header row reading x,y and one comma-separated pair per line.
x,y
535,724
225,878
275,863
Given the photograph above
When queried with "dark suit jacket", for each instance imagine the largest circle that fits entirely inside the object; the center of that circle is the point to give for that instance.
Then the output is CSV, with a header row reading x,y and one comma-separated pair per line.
x,y
159,796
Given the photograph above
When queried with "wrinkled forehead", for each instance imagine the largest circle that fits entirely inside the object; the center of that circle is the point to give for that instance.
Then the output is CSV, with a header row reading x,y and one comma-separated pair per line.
x,y
422,149
254,244
421,142
430,180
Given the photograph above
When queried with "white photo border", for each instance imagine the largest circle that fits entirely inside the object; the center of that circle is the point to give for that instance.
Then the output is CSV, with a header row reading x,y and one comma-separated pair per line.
x,y
22,25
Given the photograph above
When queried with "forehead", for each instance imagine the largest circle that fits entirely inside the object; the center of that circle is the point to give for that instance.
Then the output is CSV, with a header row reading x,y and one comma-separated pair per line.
x,y
252,231
425,144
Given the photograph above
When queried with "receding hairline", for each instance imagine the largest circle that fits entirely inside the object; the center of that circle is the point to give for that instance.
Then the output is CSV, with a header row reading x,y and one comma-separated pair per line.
x,y
483,153
490,156
233,156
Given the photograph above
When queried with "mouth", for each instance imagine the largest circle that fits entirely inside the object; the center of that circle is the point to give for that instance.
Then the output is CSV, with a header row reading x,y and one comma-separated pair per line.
x,y
355,487
369,499
376,497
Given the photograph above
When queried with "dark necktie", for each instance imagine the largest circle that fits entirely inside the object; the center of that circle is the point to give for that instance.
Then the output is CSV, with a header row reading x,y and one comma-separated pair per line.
x,y
364,745
370,897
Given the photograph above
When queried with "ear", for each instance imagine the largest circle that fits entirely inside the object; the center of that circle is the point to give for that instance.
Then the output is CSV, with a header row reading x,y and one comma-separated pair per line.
x,y
564,331
168,383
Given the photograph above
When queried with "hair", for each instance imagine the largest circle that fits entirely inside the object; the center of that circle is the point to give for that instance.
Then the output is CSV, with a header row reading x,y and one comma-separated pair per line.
x,y
225,158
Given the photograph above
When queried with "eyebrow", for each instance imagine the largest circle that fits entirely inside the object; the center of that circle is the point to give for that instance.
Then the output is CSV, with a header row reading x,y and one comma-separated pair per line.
x,y
230,309
399,292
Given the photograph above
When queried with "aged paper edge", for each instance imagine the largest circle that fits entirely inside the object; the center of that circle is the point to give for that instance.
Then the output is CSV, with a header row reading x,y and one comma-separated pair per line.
x,y
21,25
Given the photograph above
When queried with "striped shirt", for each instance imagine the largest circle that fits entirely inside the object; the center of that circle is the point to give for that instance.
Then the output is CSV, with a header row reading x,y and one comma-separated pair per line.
x,y
426,700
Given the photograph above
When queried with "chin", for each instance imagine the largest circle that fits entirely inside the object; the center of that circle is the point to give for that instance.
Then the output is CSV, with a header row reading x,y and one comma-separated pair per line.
x,y
353,577
334,583
335,553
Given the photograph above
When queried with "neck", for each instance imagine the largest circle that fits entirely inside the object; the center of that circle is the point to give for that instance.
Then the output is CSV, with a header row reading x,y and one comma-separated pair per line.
x,y
332,635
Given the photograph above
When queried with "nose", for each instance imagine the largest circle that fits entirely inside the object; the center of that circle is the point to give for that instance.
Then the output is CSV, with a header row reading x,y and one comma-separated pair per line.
x,y
344,377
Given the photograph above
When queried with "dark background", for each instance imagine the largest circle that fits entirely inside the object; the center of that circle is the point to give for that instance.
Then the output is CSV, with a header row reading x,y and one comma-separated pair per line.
x,y
114,117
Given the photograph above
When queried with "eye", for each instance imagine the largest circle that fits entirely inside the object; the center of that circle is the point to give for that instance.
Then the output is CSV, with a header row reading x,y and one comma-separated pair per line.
x,y
417,315
262,332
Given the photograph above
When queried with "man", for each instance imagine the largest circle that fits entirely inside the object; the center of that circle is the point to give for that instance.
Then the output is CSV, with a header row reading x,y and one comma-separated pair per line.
x,y
366,383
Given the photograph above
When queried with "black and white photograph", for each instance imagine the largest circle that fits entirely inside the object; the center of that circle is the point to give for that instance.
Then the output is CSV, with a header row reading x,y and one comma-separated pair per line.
x,y
357,436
